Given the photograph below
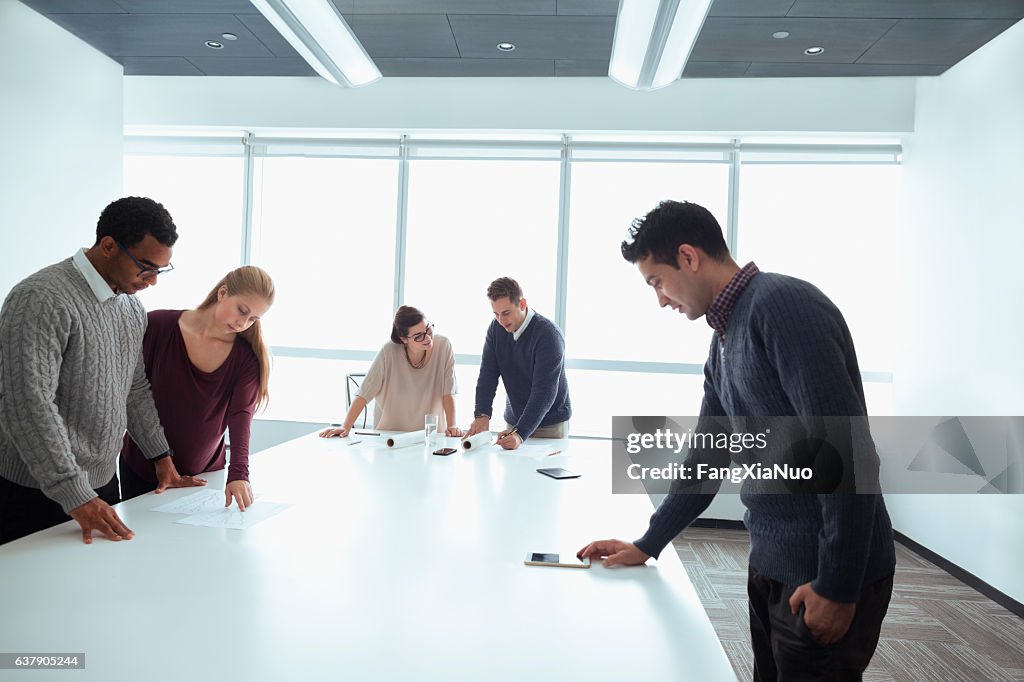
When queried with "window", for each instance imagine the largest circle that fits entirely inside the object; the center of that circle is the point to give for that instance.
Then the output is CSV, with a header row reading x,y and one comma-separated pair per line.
x,y
597,396
310,389
204,196
471,222
611,313
326,214
324,228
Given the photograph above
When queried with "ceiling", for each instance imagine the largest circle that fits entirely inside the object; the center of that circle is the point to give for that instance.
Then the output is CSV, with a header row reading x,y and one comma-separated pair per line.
x,y
552,37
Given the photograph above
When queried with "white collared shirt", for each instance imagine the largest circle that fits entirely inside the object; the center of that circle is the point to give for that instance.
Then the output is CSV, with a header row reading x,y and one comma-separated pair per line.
x,y
522,328
96,282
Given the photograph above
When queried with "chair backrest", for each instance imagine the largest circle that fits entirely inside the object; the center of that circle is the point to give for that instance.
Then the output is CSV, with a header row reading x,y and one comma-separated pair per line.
x,y
352,384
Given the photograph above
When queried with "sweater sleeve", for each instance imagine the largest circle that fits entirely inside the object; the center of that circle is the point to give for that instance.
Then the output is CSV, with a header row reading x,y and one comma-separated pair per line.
x,y
34,330
240,412
143,419
549,357
688,499
373,383
487,381
805,340
449,385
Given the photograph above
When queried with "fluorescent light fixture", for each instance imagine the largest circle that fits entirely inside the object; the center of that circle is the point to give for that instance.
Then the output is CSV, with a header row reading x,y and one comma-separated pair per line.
x,y
653,40
319,33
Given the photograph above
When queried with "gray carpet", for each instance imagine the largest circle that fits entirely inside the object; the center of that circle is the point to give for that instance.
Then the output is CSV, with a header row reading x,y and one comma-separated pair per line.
x,y
937,628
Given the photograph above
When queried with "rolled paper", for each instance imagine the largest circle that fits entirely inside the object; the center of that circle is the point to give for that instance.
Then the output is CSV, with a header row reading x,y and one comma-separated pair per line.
x,y
480,440
403,439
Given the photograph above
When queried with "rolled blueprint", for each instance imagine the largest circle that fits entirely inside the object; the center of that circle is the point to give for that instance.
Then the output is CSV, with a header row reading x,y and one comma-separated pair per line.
x,y
480,440
400,440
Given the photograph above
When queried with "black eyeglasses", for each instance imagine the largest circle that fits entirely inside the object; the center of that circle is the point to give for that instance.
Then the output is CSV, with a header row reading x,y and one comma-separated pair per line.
x,y
418,338
145,272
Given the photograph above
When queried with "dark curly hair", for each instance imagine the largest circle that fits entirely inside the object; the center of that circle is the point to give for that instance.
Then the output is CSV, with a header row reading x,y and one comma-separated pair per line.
x,y
130,219
660,233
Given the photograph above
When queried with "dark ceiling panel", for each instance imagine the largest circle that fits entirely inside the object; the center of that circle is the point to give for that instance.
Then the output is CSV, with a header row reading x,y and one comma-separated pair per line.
x,y
454,7
162,35
253,66
750,40
581,67
715,69
790,70
552,37
268,35
74,6
910,9
593,8
534,37
750,8
404,35
933,41
159,66
188,6
466,67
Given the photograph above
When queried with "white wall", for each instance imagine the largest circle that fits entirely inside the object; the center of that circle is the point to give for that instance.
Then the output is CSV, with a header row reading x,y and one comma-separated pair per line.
x,y
962,330
61,121
786,104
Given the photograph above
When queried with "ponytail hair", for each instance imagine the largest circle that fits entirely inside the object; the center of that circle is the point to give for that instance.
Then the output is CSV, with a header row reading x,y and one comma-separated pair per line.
x,y
250,279
405,317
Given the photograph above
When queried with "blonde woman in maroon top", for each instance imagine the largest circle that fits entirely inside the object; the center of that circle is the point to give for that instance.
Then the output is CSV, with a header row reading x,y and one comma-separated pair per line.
x,y
208,369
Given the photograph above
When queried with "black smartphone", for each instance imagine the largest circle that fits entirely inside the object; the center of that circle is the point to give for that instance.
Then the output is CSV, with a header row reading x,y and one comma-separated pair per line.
x,y
444,452
558,472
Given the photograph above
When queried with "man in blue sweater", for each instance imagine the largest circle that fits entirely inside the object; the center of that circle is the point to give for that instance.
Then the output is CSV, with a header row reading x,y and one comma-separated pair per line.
x,y
821,565
527,351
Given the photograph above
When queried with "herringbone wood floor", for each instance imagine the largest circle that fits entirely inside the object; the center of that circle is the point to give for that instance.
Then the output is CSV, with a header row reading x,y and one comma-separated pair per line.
x,y
937,628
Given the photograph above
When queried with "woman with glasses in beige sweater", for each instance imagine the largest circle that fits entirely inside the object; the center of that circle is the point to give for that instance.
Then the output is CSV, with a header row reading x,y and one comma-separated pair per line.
x,y
412,376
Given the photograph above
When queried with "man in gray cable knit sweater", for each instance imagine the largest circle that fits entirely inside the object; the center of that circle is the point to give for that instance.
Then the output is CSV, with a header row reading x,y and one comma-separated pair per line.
x,y
72,378
821,565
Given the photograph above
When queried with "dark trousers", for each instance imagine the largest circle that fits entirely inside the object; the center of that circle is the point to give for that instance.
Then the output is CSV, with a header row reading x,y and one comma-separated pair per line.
x,y
24,511
784,649
133,485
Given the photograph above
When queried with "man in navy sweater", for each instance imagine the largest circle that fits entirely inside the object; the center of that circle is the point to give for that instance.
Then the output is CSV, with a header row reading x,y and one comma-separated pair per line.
x,y
821,565
527,351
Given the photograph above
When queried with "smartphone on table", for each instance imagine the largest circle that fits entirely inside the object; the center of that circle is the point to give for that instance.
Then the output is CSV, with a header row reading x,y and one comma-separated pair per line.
x,y
563,560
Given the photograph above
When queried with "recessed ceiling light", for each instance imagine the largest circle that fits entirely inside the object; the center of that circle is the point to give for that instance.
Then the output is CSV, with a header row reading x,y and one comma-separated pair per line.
x,y
779,35
229,36
814,51
506,47
214,45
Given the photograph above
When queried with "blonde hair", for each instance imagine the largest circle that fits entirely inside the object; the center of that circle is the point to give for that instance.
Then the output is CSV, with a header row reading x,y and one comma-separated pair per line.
x,y
249,279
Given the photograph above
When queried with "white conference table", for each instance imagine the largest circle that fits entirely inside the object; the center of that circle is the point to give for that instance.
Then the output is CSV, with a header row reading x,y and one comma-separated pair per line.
x,y
390,565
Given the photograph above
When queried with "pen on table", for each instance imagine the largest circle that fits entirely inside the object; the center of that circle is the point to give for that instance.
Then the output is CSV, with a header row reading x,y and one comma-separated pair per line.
x,y
553,453
355,442
367,433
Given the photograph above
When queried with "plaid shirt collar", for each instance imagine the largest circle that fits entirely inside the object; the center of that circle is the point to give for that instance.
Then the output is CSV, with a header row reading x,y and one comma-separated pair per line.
x,y
720,309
